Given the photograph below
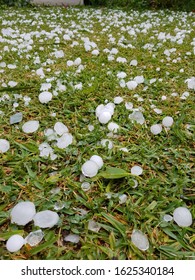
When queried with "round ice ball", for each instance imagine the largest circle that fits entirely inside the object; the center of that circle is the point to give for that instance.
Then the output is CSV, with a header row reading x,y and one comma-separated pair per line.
x,y
182,217
104,117
98,160
15,243
46,219
136,170
23,213
4,146
140,240
90,168
30,126
167,121
45,97
156,129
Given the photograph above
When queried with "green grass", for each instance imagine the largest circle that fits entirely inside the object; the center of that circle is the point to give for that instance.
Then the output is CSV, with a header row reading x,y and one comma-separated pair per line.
x,y
167,159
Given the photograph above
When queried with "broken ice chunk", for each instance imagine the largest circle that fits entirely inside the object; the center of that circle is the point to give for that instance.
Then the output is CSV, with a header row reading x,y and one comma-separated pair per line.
x,y
85,186
107,143
167,218
16,118
93,226
122,198
64,141
140,240
74,238
4,145
34,237
23,213
137,116
60,128
46,219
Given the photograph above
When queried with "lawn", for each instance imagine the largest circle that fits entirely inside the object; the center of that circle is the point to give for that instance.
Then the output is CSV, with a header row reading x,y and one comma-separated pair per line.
x,y
140,66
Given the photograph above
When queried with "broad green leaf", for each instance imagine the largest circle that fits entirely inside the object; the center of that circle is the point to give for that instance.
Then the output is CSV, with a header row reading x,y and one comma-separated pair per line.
x,y
114,173
30,147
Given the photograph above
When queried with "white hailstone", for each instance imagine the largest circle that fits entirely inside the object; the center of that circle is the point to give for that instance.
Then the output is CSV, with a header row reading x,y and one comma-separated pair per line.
x,y
23,213
15,243
104,117
60,128
158,111
107,143
45,97
118,100
167,218
191,83
69,63
34,237
12,84
93,226
182,217
139,79
133,62
110,57
90,168
136,170
167,121
185,95
98,160
137,116
122,83
66,37
77,61
95,52
40,72
4,145
140,240
129,105
85,186
74,238
30,126
124,150
131,85
46,219
122,198
11,66
114,51
163,97
156,129
45,86
113,127
50,134
64,141
135,184
110,108
78,86
121,75
59,54
90,127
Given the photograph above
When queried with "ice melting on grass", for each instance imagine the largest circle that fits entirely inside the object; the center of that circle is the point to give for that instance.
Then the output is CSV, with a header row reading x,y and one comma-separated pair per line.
x,y
23,213
140,240
93,226
4,145
74,238
15,243
182,217
46,219
34,237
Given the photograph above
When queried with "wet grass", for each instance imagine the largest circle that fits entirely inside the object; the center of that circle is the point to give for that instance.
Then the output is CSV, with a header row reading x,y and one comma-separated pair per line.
x,y
167,159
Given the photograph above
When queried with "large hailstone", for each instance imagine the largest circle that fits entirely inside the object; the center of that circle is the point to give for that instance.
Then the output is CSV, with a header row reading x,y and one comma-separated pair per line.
x,y
182,217
30,126
156,129
15,243
98,160
140,240
60,128
64,141
46,219
45,97
167,121
23,213
90,168
4,146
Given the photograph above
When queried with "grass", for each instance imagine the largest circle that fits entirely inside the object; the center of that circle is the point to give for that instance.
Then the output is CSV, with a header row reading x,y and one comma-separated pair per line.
x,y
167,159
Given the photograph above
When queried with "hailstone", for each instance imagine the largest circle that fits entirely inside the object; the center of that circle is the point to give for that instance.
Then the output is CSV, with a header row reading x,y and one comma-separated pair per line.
x,y
182,217
23,213
15,243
